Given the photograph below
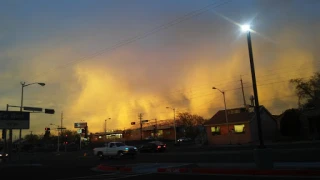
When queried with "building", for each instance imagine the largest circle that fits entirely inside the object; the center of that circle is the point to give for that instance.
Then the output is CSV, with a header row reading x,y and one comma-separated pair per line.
x,y
242,126
161,129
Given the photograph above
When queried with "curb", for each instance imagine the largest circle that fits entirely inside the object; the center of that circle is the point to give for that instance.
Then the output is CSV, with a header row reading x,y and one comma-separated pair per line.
x,y
114,168
277,172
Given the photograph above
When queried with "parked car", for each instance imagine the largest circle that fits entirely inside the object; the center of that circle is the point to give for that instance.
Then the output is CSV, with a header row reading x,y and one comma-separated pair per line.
x,y
154,146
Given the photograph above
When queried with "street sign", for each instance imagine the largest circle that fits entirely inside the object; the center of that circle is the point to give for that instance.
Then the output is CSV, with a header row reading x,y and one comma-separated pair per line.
x,y
144,121
49,111
14,120
80,125
32,109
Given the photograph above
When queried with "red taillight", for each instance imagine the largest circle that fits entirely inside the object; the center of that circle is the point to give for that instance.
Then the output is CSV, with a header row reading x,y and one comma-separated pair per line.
x,y
159,146
164,145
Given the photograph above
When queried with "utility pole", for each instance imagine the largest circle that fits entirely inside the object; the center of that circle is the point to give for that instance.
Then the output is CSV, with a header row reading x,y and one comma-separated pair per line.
x,y
61,122
244,99
61,119
140,118
10,139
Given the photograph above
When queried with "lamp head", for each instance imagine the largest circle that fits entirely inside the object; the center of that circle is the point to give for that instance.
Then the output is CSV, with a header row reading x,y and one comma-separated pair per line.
x,y
42,84
214,88
245,28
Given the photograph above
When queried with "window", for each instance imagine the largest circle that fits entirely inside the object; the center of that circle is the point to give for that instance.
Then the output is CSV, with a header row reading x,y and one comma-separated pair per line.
x,y
239,128
215,130
120,144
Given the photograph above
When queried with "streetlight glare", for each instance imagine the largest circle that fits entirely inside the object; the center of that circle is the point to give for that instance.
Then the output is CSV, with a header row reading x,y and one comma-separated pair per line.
x,y
42,84
245,27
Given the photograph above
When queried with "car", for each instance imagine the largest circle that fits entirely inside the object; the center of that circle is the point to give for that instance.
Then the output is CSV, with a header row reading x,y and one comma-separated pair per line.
x,y
115,149
184,139
3,156
153,146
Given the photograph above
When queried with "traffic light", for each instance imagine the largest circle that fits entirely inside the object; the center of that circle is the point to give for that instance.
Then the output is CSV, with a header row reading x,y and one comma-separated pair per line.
x,y
66,139
83,131
49,111
133,123
47,129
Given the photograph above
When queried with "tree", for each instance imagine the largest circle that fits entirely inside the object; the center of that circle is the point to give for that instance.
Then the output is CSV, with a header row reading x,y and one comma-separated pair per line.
x,y
190,122
307,90
31,138
290,124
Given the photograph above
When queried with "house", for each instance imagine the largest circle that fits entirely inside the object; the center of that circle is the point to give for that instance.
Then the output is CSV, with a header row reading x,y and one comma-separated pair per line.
x,y
242,126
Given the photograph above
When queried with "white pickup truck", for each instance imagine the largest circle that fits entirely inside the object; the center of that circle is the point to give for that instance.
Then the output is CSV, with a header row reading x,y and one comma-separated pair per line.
x,y
115,149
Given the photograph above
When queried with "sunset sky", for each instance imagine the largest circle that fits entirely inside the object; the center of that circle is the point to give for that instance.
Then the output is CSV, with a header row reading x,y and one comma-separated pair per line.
x,y
115,59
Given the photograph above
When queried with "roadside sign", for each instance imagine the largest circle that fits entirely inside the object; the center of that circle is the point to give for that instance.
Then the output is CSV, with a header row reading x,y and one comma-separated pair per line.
x,y
14,120
80,125
32,109
49,111
144,121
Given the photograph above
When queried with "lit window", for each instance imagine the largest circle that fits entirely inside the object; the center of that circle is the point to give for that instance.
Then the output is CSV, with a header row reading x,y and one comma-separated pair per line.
x,y
215,130
239,128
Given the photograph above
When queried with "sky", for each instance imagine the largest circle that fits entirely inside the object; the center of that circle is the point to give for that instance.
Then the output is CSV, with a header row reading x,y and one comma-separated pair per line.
x,y
115,59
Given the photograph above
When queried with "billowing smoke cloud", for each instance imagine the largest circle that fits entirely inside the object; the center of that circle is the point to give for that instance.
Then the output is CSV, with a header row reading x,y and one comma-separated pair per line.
x,y
176,67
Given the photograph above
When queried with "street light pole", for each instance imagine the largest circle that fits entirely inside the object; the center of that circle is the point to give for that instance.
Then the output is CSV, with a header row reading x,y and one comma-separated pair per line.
x,y
58,129
23,84
105,129
225,112
174,124
254,85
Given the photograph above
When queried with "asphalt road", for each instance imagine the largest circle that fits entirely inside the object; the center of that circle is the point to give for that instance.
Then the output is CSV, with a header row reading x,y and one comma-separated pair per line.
x,y
75,164
241,156
76,173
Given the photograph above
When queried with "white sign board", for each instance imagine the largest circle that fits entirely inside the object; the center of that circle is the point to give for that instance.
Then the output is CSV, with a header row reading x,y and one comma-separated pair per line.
x,y
80,125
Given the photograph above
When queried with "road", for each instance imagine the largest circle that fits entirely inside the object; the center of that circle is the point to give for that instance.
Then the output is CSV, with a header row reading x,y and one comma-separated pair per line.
x,y
76,173
75,164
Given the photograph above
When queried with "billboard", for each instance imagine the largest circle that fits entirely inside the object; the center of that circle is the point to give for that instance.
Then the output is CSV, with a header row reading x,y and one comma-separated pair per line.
x,y
80,125
14,120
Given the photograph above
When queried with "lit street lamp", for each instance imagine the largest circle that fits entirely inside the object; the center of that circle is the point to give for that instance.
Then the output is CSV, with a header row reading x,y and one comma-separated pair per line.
x,y
225,111
174,124
23,84
246,28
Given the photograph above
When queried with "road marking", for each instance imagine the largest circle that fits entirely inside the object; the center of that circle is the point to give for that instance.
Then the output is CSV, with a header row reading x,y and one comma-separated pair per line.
x,y
109,176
